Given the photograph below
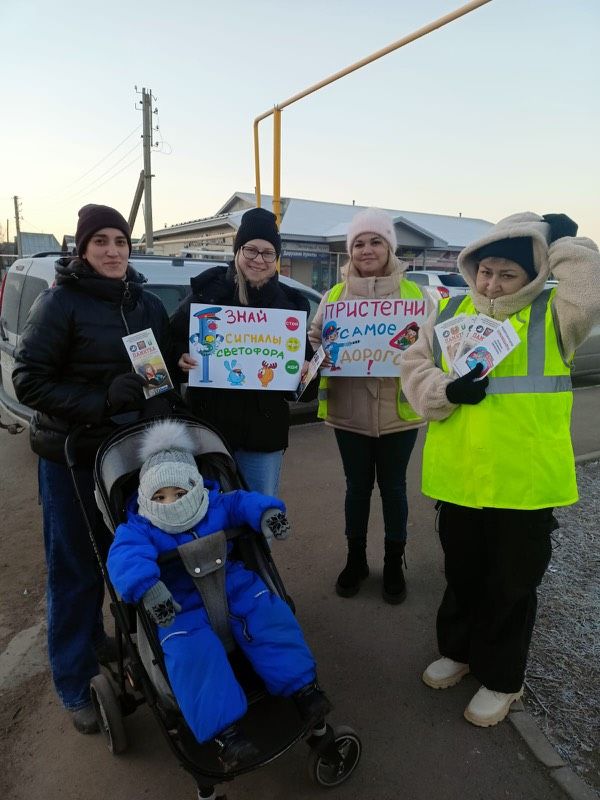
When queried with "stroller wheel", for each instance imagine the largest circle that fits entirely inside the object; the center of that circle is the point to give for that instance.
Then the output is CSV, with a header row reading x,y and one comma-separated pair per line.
x,y
108,713
328,774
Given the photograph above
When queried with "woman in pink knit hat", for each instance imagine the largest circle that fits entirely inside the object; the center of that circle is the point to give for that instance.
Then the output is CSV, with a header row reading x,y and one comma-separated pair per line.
x,y
374,426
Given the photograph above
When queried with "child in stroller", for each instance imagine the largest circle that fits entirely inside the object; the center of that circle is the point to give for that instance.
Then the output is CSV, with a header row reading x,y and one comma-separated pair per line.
x,y
174,506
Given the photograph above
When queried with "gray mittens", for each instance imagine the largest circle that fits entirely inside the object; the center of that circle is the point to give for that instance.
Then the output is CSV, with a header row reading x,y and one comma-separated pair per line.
x,y
274,523
160,604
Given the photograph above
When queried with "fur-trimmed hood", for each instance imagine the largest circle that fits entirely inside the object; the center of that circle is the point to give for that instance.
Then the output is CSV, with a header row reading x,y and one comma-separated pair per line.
x,y
525,223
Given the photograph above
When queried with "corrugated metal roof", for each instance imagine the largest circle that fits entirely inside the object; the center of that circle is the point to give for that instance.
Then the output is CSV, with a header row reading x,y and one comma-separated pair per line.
x,y
323,221
38,243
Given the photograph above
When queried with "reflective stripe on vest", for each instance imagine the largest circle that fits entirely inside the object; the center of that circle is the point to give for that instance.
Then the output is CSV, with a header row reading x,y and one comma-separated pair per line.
x,y
408,290
512,450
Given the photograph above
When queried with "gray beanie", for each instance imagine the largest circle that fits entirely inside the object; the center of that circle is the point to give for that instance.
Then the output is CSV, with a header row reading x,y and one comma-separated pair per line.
x,y
167,453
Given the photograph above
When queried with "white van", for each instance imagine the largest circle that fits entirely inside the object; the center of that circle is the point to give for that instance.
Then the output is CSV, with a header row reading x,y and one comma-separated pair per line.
x,y
169,278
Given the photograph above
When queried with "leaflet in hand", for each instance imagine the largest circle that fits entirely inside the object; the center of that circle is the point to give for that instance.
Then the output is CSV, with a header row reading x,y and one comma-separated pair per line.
x,y
490,350
451,335
313,368
148,362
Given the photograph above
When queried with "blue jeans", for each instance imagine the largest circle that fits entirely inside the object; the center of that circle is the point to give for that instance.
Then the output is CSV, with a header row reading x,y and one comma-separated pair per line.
x,y
75,588
261,471
387,457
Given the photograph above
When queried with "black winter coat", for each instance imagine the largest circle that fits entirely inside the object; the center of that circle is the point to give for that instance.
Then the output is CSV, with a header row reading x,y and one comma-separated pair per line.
x,y
72,348
247,418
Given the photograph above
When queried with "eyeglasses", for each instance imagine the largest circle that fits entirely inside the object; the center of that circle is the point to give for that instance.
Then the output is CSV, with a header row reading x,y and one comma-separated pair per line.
x,y
268,256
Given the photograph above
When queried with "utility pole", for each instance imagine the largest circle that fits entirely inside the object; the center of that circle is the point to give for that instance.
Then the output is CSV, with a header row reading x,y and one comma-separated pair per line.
x,y
137,198
147,140
17,223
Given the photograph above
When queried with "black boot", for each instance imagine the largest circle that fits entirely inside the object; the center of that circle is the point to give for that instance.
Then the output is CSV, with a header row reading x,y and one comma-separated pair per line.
x,y
356,569
394,585
312,703
234,749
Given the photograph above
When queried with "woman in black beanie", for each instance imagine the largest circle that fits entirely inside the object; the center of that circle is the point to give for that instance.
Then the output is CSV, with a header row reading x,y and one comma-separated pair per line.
x,y
254,423
73,369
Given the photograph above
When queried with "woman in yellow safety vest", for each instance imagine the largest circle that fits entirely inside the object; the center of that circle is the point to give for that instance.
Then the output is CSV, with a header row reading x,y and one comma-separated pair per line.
x,y
374,426
498,456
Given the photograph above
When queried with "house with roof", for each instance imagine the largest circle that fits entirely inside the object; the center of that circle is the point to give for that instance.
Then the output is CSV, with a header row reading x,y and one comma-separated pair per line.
x,y
314,236
32,243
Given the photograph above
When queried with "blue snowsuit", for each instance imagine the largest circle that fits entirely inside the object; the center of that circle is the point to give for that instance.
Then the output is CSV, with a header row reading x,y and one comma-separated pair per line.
x,y
208,694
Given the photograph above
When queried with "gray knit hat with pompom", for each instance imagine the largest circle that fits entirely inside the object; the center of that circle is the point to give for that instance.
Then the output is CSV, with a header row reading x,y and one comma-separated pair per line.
x,y
167,453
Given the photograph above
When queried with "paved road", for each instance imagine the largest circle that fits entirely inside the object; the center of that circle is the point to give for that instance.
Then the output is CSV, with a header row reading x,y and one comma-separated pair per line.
x,y
416,743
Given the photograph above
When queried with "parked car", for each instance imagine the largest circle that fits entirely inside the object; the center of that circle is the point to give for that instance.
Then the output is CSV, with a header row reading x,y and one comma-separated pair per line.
x,y
446,284
169,278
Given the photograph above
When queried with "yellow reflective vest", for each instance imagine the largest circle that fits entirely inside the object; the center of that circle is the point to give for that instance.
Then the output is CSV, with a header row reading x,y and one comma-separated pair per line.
x,y
408,290
512,450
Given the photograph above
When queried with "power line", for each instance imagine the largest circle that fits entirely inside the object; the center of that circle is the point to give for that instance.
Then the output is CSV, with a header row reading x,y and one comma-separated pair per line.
x,y
99,178
97,164
133,161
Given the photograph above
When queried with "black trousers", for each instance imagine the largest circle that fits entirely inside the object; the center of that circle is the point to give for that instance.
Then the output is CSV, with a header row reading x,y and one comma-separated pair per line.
x,y
386,457
494,561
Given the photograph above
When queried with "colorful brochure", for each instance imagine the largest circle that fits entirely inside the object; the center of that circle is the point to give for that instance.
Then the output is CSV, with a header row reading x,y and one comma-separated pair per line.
x,y
490,350
148,362
451,335
313,368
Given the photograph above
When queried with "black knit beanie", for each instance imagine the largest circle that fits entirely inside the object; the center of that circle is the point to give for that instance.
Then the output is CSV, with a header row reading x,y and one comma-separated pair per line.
x,y
518,249
93,218
258,223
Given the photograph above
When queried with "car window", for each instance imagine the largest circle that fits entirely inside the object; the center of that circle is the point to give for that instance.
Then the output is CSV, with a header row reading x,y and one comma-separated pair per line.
x,y
170,295
418,277
11,300
314,304
31,289
453,279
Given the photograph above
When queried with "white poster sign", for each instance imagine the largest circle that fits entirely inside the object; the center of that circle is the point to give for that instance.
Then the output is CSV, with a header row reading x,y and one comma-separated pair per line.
x,y
238,347
367,337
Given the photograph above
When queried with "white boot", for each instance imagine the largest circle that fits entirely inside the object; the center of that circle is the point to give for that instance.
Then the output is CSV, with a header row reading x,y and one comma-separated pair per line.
x,y
488,707
444,673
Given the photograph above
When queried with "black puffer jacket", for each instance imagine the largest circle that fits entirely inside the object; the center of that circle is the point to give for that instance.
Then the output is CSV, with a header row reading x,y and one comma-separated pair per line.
x,y
248,419
72,348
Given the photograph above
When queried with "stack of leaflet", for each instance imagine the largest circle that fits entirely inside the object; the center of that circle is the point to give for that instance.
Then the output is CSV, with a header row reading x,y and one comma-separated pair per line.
x,y
467,341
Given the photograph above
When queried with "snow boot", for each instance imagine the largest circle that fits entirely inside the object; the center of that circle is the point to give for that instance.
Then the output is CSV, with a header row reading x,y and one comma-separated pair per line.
x,y
394,586
488,707
312,703
234,749
356,569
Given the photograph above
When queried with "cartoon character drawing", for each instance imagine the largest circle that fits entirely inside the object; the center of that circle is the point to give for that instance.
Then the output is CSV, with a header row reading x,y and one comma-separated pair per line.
x,y
407,336
266,373
480,355
236,377
206,341
331,346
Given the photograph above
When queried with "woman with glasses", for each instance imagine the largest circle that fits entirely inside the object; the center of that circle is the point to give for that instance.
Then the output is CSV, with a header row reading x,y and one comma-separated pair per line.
x,y
255,423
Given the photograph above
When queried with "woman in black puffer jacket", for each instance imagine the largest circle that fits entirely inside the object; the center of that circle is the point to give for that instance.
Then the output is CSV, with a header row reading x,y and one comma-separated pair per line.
x,y
255,423
72,368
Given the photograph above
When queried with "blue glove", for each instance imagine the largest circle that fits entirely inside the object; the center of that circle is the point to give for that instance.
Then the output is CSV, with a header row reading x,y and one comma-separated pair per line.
x,y
160,604
274,523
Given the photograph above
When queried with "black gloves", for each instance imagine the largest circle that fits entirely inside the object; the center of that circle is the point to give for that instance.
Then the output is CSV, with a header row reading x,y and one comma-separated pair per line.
x,y
560,225
468,390
125,393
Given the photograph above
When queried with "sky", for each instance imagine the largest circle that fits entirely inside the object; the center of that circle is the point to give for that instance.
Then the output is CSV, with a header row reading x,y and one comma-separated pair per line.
x,y
495,113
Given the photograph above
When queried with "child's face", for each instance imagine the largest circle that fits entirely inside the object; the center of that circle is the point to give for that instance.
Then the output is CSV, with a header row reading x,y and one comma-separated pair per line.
x,y
497,277
168,494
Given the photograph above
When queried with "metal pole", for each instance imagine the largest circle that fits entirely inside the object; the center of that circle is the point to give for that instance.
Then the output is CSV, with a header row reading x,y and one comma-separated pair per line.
x,y
147,140
277,164
137,199
256,165
18,224
438,23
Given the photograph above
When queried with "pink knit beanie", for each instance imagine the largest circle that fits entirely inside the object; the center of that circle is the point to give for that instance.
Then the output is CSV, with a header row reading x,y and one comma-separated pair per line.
x,y
372,220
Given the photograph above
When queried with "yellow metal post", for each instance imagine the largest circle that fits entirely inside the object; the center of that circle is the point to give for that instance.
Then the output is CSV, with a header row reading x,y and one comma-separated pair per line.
x,y
277,164
438,23
256,165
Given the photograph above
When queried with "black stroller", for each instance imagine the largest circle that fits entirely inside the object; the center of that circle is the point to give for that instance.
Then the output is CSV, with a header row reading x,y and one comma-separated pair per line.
x,y
139,675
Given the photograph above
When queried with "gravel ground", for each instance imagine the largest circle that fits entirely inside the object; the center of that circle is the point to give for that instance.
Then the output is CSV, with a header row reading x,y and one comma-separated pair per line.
x,y
563,676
